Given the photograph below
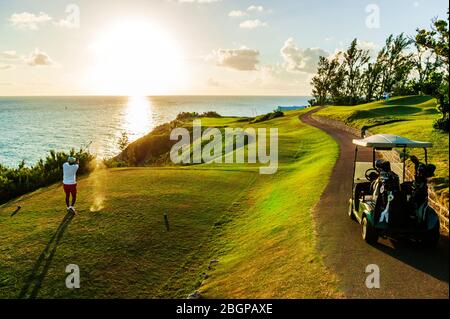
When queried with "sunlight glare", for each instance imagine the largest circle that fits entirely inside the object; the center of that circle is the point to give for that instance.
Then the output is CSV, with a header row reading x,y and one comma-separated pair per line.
x,y
138,117
136,58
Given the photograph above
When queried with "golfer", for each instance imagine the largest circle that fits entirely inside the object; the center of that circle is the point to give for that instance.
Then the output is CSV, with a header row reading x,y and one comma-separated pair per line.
x,y
70,181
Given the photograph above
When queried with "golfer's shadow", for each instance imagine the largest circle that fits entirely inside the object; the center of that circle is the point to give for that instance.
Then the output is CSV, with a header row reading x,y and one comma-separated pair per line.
x,y
34,280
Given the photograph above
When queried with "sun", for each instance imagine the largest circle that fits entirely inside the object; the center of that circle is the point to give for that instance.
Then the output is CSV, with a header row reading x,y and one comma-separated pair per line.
x,y
136,58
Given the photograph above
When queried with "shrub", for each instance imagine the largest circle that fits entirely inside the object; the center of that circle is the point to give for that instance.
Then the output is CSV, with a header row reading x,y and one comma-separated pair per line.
x,y
154,148
442,124
15,182
186,116
210,114
267,117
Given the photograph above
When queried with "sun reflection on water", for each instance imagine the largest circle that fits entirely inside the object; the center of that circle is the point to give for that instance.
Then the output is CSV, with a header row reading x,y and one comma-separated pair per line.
x,y
138,117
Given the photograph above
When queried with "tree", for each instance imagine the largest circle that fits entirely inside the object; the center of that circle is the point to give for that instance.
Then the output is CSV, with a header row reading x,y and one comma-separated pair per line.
x,y
355,78
123,141
312,102
436,40
320,81
354,60
371,80
395,63
337,80
395,70
328,80
425,64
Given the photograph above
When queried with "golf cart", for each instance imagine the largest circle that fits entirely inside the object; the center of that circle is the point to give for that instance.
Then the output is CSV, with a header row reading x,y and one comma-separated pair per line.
x,y
386,204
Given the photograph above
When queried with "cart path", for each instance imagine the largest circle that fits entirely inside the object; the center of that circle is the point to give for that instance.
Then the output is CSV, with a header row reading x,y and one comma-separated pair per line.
x,y
406,270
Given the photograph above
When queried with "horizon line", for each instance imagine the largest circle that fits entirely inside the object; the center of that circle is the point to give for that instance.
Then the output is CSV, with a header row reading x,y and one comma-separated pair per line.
x,y
161,95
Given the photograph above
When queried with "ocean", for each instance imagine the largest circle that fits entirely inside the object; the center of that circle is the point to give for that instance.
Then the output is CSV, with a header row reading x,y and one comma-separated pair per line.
x,y
31,126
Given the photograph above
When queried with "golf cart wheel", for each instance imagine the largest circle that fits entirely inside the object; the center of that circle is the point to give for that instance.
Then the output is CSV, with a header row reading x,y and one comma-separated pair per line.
x,y
369,233
431,239
350,210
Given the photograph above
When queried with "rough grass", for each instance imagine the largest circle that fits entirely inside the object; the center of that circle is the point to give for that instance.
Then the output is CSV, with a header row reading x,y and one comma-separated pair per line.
x,y
411,117
259,227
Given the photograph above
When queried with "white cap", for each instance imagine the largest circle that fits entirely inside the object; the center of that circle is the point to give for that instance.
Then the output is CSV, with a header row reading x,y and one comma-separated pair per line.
x,y
71,159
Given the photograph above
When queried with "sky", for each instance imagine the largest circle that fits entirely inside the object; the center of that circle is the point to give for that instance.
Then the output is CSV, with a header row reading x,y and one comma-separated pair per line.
x,y
188,47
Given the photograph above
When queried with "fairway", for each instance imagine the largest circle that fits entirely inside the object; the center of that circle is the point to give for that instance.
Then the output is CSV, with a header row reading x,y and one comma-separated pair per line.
x,y
269,251
258,227
123,250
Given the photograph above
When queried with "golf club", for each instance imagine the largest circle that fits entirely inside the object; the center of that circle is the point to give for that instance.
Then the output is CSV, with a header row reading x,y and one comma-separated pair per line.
x,y
84,148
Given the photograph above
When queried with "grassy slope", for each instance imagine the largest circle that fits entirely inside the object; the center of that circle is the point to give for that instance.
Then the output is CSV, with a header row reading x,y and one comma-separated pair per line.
x,y
269,250
416,115
258,226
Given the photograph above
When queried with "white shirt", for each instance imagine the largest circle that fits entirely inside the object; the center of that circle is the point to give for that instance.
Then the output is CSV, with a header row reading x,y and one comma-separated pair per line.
x,y
70,174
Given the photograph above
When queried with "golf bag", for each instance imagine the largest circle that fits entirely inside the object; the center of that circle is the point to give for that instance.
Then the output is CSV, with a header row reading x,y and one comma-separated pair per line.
x,y
387,195
420,188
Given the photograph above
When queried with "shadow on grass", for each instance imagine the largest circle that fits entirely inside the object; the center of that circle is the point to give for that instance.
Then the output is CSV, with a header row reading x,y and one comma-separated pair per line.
x,y
396,110
430,111
385,113
34,281
366,127
440,182
409,100
434,262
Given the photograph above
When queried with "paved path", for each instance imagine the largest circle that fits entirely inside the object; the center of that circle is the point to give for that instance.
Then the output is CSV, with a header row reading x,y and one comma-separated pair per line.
x,y
407,271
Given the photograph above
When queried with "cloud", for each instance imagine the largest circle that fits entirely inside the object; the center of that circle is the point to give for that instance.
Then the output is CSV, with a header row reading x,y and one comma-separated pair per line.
x,y
198,1
66,23
212,82
243,59
252,24
38,83
300,60
12,59
38,58
255,8
362,44
9,55
237,14
29,21
6,66
366,45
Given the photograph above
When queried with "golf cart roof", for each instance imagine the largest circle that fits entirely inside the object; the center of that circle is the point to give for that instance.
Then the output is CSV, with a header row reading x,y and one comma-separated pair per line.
x,y
390,141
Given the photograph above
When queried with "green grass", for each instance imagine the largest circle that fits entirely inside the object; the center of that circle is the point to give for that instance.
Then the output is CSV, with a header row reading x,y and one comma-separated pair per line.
x,y
259,227
411,117
124,249
269,246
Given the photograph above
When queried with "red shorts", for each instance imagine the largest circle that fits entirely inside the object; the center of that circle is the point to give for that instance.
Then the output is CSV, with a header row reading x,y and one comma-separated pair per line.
x,y
70,189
